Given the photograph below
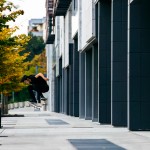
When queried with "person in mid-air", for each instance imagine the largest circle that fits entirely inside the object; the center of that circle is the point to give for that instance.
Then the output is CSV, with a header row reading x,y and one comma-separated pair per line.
x,y
36,83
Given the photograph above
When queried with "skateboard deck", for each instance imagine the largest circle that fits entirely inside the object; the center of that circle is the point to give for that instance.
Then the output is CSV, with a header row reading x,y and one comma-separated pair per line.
x,y
35,105
43,99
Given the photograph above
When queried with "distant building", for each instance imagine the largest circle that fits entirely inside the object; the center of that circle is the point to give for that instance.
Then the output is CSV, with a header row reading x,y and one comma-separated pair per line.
x,y
37,26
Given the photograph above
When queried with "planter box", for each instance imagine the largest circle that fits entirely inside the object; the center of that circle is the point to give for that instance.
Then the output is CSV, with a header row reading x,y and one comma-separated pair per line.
x,y
11,105
21,104
26,103
16,105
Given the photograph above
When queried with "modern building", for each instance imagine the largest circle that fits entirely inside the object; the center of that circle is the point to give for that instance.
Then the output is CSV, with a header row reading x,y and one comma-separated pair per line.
x,y
98,55
37,27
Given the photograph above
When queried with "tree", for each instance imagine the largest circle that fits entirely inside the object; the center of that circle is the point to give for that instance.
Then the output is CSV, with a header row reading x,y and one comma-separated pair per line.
x,y
11,63
6,13
38,64
35,46
15,51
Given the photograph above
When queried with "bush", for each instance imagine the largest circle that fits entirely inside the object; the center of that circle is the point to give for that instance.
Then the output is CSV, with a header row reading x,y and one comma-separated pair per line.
x,y
21,96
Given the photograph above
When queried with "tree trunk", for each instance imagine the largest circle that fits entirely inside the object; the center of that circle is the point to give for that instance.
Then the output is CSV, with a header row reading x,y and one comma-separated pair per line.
x,y
5,105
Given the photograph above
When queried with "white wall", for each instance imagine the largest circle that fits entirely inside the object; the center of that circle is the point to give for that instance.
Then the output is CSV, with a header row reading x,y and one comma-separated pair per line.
x,y
65,37
57,43
86,22
62,39
66,50
75,17
50,75
57,31
44,31
75,24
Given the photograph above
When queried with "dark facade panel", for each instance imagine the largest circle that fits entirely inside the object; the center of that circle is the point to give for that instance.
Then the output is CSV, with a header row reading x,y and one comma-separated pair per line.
x,y
65,90
139,74
88,84
60,85
76,78
82,85
95,83
104,62
61,7
71,104
56,95
119,63
50,39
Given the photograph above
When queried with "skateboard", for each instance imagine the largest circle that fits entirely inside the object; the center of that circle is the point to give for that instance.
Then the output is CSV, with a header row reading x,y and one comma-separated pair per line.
x,y
43,99
35,105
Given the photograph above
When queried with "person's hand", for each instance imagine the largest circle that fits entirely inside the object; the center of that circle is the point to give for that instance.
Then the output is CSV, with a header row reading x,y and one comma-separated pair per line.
x,y
46,79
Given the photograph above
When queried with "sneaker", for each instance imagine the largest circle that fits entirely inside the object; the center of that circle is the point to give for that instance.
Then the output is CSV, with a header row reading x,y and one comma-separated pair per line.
x,y
32,101
43,98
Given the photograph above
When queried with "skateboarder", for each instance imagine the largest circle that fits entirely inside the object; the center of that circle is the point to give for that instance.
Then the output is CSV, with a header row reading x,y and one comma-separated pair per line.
x,y
37,83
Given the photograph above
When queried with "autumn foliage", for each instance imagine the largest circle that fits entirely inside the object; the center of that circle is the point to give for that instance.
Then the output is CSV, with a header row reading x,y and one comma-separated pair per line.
x,y
12,65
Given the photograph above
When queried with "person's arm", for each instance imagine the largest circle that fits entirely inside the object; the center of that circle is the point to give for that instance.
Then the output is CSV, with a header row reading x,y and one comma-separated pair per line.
x,y
41,75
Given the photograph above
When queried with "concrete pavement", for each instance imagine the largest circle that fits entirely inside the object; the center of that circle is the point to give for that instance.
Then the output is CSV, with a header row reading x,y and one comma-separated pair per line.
x,y
41,130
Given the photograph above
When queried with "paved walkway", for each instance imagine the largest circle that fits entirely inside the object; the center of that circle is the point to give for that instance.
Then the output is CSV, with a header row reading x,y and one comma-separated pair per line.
x,y
41,130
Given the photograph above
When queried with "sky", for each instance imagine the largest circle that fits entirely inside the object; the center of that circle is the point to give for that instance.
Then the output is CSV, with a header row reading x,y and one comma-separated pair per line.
x,y
32,9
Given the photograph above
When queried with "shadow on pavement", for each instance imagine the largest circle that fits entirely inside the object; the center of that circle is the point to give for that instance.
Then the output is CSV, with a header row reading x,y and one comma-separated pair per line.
x,y
94,144
56,122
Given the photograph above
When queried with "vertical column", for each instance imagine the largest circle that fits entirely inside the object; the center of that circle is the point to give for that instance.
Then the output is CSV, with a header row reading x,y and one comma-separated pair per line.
x,y
138,65
57,99
104,62
65,101
60,84
52,95
76,78
82,85
49,48
55,90
119,62
63,89
71,90
66,93
70,81
88,84
59,94
104,58
67,90
95,83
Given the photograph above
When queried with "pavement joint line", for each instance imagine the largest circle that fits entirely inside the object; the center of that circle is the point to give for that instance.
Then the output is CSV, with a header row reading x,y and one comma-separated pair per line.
x,y
141,135
2,130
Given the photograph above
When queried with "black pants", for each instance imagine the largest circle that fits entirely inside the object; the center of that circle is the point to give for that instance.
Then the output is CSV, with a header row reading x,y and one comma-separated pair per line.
x,y
39,90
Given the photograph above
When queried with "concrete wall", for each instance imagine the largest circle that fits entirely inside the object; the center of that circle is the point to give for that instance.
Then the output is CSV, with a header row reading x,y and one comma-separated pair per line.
x,y
50,75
